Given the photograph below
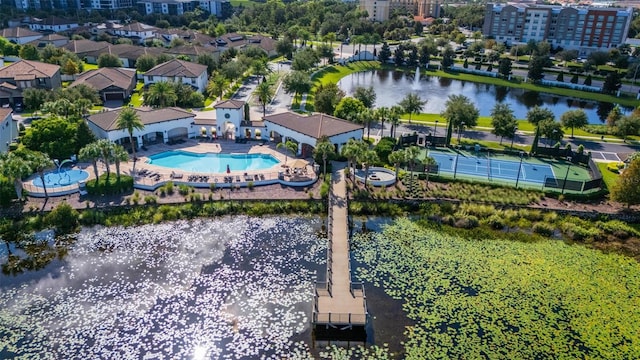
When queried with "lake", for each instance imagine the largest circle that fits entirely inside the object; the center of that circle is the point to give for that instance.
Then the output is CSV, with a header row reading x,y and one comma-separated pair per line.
x,y
235,287
392,86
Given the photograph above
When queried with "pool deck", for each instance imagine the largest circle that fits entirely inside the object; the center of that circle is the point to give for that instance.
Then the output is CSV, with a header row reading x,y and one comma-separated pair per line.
x,y
163,175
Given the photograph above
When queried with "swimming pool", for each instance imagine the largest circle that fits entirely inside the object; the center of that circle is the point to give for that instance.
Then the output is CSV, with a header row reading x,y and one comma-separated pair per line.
x,y
212,163
60,178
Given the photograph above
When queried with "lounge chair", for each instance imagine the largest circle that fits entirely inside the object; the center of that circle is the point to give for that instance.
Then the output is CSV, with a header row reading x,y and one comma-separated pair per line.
x,y
237,178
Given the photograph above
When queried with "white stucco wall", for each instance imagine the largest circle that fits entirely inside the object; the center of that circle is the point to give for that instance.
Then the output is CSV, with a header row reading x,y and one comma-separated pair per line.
x,y
162,127
300,138
200,82
8,132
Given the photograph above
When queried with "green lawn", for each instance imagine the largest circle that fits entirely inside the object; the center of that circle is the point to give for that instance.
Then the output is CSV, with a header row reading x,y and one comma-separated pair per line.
x,y
609,177
136,97
86,66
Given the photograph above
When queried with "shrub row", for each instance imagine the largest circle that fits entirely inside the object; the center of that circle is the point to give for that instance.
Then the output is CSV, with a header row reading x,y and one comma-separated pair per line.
x,y
110,186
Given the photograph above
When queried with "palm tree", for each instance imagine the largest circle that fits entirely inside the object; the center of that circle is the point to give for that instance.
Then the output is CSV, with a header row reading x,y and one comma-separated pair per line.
x,y
352,150
412,103
161,94
92,152
119,155
63,107
81,106
105,149
289,146
15,168
411,155
368,158
427,162
265,95
397,157
39,162
382,114
367,117
394,118
217,84
130,120
325,149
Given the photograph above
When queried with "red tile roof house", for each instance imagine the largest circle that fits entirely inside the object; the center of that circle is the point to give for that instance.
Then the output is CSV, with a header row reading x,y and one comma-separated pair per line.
x,y
110,83
19,35
160,125
136,31
27,74
239,41
178,71
53,39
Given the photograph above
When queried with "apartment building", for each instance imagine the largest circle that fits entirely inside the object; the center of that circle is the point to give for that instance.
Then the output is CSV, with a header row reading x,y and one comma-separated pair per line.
x,y
379,10
585,29
179,7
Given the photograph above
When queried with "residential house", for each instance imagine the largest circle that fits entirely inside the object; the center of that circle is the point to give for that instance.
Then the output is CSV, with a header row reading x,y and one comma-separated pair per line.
x,y
239,42
160,126
23,74
192,51
53,39
8,129
20,35
178,71
136,31
128,54
86,49
53,24
110,83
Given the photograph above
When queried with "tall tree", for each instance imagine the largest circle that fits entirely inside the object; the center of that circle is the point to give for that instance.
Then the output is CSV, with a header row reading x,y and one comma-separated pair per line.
x,y
15,168
428,162
627,189
412,104
382,114
448,56
367,158
367,96
396,158
145,63
349,109
161,95
325,150
503,121
289,147
614,116
394,118
109,60
538,114
216,85
327,97
460,112
352,150
39,162
536,68
119,155
92,153
264,92
385,53
106,146
574,119
29,52
552,130
504,67
296,82
129,120
612,83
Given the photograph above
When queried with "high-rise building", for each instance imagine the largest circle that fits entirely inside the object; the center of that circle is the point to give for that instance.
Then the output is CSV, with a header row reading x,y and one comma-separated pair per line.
x,y
379,10
585,29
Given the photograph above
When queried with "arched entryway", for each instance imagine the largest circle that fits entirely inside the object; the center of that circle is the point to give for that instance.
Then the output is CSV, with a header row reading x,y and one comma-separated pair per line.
x,y
228,130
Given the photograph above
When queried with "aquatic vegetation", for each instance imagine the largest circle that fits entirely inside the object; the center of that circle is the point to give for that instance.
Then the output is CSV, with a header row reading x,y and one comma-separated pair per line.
x,y
236,288
491,298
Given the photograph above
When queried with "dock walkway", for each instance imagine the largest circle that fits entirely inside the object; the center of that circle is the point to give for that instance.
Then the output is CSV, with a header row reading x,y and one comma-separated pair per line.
x,y
339,303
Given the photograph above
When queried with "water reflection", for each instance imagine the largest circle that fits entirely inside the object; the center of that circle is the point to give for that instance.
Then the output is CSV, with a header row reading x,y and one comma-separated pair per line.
x,y
227,288
392,86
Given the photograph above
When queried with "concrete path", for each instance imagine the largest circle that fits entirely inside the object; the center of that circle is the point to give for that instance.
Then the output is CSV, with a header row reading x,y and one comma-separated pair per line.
x,y
340,305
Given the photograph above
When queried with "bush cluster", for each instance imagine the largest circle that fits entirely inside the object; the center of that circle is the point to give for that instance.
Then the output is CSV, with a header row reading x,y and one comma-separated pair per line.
x,y
111,186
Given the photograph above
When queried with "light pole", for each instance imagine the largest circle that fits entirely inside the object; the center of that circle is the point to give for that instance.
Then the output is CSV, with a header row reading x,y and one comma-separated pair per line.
x,y
564,183
519,169
513,137
435,130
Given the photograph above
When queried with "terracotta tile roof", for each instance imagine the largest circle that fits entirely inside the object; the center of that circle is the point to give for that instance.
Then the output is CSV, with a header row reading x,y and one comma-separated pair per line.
x,y
103,78
137,27
28,68
107,120
315,125
81,47
190,50
229,104
55,20
18,32
177,68
5,112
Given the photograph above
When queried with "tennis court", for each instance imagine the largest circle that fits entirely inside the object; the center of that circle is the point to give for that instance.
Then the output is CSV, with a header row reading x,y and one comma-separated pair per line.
x,y
486,167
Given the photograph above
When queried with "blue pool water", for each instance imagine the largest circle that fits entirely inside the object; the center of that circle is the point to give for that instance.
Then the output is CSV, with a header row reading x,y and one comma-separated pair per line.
x,y
62,177
493,168
212,163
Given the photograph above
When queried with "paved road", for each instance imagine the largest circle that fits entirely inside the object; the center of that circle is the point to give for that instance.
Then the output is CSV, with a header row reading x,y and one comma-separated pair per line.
x,y
523,139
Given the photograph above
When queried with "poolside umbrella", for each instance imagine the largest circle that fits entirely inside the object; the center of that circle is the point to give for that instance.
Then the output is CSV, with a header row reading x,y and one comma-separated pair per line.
x,y
298,164
228,169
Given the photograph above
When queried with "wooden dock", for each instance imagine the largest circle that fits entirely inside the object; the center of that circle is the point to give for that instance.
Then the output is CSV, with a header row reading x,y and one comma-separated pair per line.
x,y
339,303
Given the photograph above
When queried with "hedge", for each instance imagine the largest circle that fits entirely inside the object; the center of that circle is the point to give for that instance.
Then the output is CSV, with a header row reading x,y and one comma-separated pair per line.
x,y
111,188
